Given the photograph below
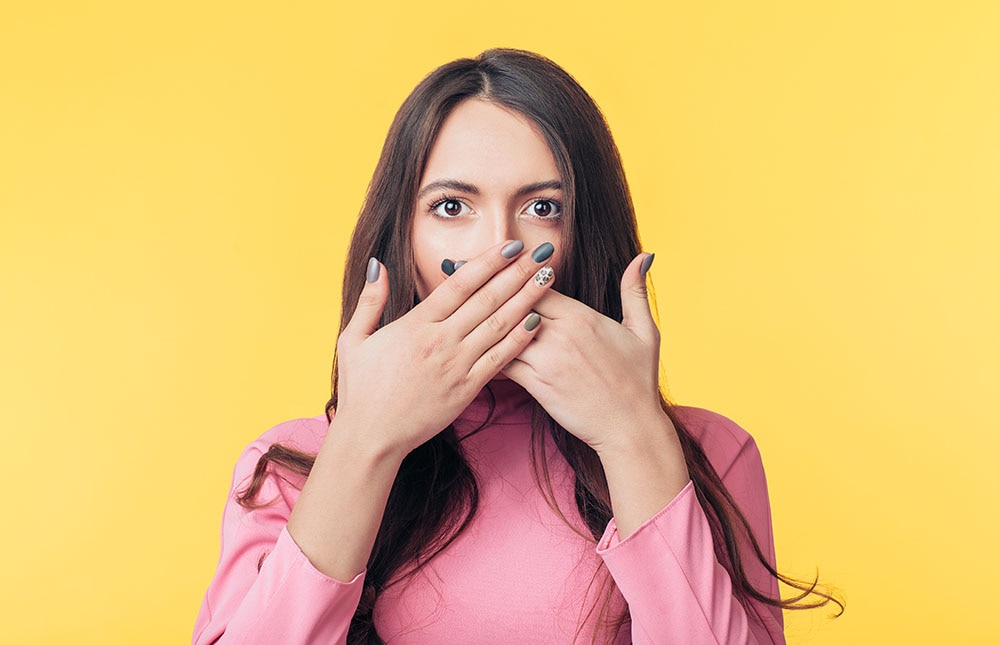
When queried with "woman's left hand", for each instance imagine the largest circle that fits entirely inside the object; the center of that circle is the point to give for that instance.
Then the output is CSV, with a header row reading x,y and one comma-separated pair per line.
x,y
598,378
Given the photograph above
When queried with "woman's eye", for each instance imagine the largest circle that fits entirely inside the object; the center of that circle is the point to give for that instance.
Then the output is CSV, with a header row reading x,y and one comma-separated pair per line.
x,y
544,209
448,208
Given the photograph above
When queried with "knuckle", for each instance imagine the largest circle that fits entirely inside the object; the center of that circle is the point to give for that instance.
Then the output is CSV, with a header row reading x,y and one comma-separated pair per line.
x,y
495,323
428,348
368,300
525,270
461,283
487,298
495,358
448,364
431,346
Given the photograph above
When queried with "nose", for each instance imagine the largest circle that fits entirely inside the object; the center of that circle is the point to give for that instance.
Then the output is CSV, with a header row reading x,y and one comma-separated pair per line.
x,y
504,228
494,226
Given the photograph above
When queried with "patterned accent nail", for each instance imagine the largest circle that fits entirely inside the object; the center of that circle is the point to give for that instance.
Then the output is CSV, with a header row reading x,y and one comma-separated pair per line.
x,y
373,270
532,321
543,276
646,263
543,252
447,266
512,249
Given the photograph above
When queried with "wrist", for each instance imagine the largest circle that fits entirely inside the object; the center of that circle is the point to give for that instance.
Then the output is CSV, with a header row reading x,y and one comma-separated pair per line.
x,y
347,436
645,469
639,435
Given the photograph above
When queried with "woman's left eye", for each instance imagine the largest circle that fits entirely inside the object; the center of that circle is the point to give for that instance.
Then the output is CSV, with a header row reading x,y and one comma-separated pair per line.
x,y
545,209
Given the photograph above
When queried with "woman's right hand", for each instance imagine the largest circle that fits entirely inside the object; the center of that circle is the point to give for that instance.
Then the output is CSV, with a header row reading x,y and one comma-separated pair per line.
x,y
402,384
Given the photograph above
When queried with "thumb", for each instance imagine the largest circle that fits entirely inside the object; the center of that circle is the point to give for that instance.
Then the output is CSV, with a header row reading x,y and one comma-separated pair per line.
x,y
364,322
636,314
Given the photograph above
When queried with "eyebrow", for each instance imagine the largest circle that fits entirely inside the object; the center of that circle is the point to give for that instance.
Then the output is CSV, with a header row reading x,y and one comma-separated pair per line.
x,y
465,187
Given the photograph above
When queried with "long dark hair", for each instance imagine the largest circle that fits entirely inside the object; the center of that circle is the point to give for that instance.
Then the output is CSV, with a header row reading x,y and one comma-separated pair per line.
x,y
435,494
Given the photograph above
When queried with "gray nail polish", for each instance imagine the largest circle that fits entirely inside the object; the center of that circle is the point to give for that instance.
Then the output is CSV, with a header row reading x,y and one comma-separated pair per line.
x,y
373,270
543,252
543,276
646,263
512,249
447,266
532,321
459,263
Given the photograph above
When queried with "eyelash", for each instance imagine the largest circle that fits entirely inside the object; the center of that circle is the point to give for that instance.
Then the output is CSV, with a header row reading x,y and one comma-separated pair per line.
x,y
450,198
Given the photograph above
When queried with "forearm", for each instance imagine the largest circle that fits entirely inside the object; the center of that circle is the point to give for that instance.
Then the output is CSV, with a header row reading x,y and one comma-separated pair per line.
x,y
645,469
667,569
337,516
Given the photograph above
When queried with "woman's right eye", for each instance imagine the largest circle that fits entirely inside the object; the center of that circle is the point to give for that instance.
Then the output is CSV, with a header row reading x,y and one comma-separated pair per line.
x,y
449,208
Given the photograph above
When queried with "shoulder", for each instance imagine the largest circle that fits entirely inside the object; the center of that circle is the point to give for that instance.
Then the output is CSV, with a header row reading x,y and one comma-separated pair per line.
x,y
725,442
303,434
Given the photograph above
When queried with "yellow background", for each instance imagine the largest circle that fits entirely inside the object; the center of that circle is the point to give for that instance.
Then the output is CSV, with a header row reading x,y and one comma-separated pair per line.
x,y
178,180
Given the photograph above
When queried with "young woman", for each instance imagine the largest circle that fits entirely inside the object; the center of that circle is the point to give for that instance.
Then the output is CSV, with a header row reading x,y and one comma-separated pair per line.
x,y
497,463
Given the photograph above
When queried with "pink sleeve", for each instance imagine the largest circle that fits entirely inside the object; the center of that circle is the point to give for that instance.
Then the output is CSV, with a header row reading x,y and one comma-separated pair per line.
x,y
288,601
676,590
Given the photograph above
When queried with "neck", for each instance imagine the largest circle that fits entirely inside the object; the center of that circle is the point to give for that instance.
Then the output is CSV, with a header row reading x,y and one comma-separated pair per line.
x,y
501,402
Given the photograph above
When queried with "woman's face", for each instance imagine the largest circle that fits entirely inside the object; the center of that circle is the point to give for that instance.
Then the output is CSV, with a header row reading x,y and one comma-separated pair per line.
x,y
490,177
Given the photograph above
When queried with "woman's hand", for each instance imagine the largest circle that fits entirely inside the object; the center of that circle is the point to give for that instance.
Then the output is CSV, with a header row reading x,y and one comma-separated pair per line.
x,y
399,386
402,384
599,380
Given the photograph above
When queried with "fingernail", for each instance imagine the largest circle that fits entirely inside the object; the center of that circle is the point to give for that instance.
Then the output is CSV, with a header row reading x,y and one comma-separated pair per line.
x,y
532,321
646,263
543,276
447,266
459,263
373,270
512,249
543,252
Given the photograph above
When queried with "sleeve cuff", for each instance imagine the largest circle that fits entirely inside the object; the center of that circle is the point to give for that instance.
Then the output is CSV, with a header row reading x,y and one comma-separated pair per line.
x,y
611,540
286,549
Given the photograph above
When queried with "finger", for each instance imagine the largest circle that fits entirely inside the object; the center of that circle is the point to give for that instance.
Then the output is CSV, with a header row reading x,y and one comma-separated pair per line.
x,y
555,305
365,319
499,355
521,373
498,324
492,296
636,314
453,292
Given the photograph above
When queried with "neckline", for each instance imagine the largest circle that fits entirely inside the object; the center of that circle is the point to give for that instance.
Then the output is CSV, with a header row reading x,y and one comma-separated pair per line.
x,y
511,405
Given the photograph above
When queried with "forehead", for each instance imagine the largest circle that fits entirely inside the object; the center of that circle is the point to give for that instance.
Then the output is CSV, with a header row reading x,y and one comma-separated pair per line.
x,y
488,145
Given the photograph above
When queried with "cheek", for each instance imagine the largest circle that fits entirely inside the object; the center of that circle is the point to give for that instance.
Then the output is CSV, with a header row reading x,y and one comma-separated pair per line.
x,y
429,249
429,275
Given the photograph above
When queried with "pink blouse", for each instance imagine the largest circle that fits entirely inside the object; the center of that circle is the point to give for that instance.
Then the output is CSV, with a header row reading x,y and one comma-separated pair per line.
x,y
519,573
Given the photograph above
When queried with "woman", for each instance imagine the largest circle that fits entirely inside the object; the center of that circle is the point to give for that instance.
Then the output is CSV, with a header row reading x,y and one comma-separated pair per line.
x,y
497,464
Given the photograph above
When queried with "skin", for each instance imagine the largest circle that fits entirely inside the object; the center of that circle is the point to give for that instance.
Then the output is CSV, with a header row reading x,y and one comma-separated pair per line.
x,y
595,376
476,191
495,154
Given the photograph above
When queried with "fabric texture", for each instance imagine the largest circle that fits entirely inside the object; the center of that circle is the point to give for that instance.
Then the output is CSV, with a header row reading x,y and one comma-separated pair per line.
x,y
519,573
